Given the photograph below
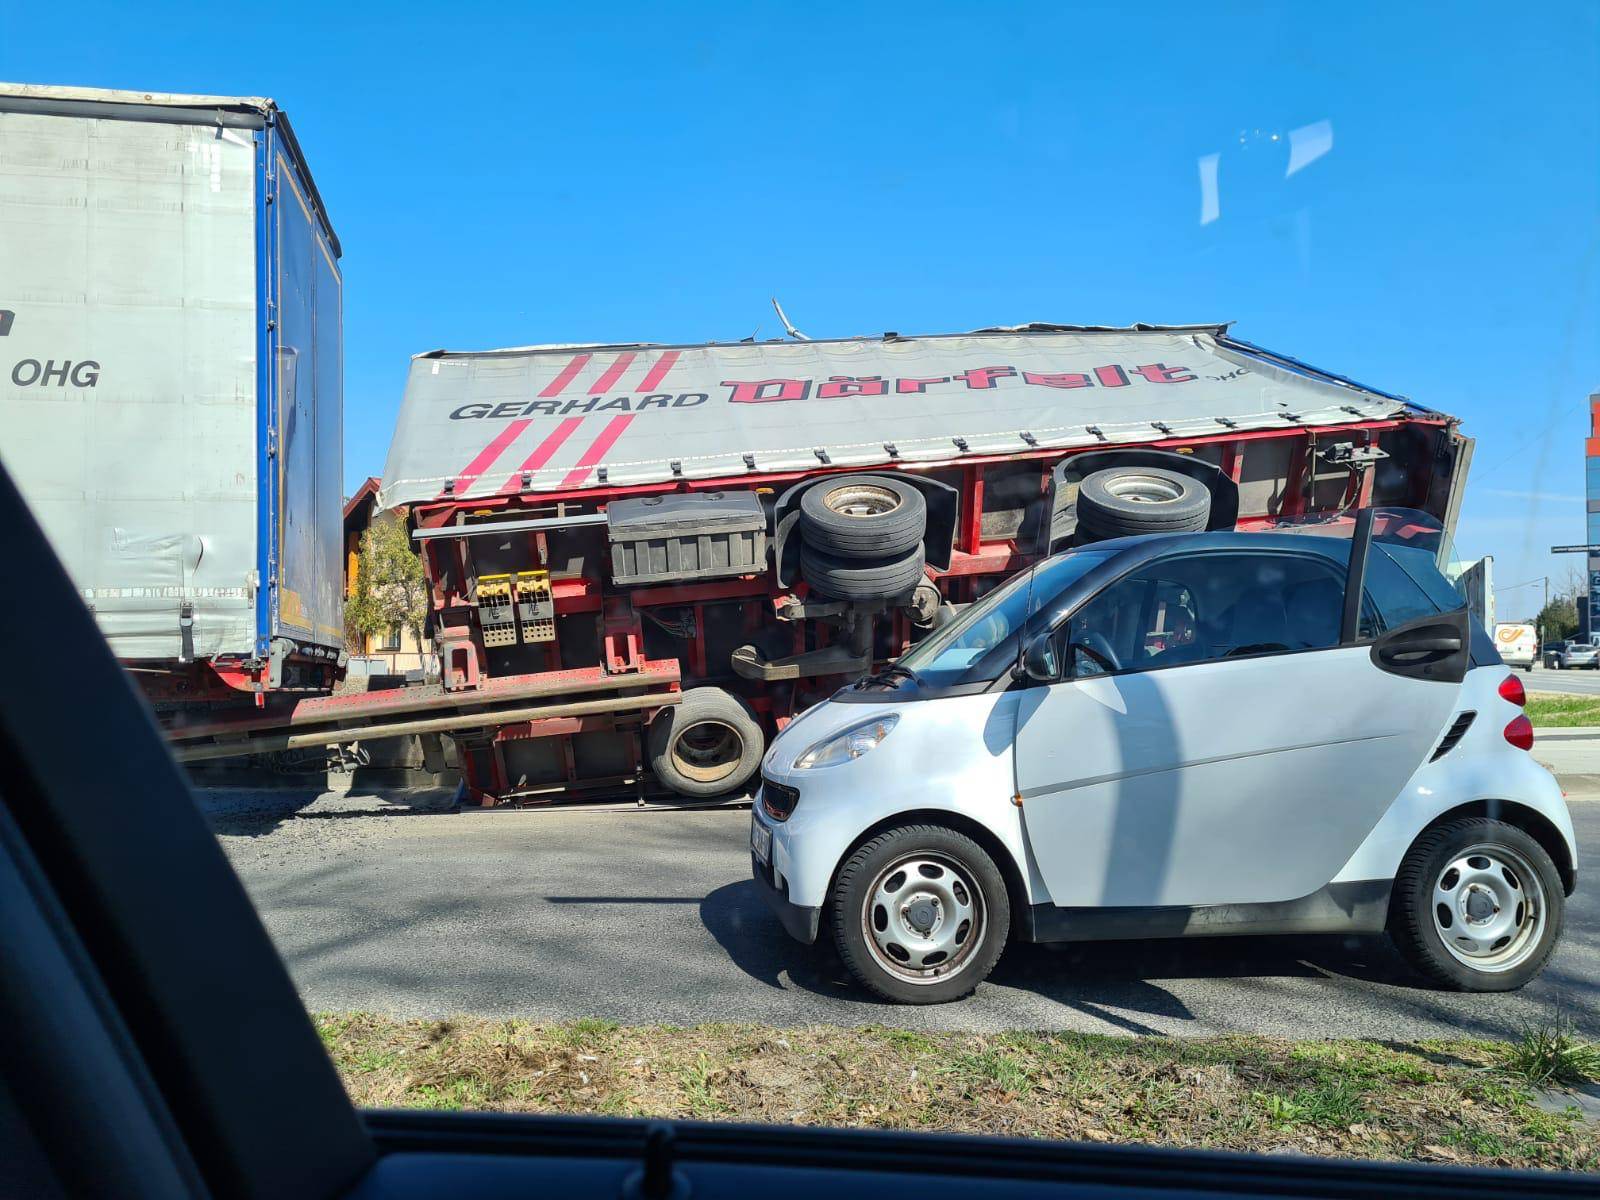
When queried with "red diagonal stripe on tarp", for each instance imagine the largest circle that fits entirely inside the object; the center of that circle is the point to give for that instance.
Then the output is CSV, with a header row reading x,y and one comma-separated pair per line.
x,y
542,453
613,373
485,457
608,438
658,372
559,384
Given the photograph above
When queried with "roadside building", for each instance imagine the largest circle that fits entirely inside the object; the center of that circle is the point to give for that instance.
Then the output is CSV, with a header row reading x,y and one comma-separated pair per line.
x,y
395,651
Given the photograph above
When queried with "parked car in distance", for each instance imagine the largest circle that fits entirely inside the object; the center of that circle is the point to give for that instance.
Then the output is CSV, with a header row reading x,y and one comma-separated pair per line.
x,y
1518,644
1550,654
1134,739
1579,654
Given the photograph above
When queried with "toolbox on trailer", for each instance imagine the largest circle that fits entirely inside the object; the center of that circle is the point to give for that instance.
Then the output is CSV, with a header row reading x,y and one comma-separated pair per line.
x,y
703,535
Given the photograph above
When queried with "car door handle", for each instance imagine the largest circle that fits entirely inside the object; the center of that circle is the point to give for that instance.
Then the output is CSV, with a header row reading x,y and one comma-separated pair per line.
x,y
1447,644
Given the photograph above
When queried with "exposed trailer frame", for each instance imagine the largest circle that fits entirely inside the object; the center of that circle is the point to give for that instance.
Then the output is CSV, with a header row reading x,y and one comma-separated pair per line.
x,y
976,563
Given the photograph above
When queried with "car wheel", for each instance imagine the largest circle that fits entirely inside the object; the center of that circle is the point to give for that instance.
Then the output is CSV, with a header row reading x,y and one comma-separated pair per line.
x,y
920,914
1477,906
706,745
863,516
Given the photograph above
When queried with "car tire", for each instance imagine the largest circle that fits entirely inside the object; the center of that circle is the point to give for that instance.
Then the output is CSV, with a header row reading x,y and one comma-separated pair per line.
x,y
706,745
1454,884
1124,501
855,579
949,881
863,516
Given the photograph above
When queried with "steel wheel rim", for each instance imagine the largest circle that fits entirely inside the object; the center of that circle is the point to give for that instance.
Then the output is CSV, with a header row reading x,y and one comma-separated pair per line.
x,y
1489,908
924,907
1144,489
861,500
708,750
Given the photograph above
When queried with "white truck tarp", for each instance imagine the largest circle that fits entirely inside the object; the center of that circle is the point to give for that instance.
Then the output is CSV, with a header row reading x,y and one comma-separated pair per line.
x,y
542,419
128,399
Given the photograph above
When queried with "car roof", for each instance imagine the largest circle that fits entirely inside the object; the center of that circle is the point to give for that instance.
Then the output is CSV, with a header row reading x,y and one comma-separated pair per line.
x,y
1149,545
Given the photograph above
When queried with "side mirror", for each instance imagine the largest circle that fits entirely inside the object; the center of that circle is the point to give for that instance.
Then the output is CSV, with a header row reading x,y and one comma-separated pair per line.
x,y
1040,661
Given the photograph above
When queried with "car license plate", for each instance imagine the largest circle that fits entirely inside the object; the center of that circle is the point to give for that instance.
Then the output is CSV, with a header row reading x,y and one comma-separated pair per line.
x,y
761,841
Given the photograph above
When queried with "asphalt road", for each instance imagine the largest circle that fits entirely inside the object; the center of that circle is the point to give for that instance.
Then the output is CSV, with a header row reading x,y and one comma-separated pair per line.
x,y
1582,681
649,916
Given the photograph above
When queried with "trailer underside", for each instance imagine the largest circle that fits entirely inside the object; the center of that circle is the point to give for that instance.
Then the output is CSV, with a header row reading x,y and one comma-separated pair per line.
x,y
552,674
1002,525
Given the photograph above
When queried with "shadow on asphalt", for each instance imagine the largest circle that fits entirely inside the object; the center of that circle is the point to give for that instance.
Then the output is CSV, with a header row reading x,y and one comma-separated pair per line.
x,y
1095,978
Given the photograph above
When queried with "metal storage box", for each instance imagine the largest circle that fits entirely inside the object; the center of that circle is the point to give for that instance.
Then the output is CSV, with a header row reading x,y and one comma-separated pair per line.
x,y
680,539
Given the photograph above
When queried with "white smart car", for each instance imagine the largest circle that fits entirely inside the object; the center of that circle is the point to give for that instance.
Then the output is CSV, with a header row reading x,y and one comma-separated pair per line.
x,y
1176,735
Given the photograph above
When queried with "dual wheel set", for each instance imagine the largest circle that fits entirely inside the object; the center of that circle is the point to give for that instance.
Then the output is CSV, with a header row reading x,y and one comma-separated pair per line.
x,y
921,913
860,539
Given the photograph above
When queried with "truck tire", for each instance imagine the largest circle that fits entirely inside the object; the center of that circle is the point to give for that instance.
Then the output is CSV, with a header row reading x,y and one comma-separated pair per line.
x,y
706,745
856,579
863,516
1063,524
920,914
1123,501
1476,906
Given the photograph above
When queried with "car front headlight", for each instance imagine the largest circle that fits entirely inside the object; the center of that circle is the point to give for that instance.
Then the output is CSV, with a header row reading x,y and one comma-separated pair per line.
x,y
848,743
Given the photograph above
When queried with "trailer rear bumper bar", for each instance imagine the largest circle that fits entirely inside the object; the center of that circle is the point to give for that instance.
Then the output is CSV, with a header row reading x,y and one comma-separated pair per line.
x,y
407,711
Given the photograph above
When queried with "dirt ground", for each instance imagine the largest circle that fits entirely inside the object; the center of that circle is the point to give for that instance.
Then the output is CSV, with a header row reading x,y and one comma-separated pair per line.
x,y
1443,1101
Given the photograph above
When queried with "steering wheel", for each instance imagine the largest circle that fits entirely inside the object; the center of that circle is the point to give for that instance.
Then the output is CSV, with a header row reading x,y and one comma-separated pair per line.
x,y
1098,647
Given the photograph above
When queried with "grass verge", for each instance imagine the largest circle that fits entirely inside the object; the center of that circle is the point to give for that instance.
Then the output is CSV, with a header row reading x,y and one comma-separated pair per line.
x,y
1556,710
1443,1101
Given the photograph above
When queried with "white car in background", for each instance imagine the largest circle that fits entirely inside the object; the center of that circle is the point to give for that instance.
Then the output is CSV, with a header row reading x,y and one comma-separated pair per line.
x,y
1579,654
1177,735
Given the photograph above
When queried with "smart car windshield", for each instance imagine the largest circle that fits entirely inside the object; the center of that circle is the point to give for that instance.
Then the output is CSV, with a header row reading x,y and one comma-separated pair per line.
x,y
965,649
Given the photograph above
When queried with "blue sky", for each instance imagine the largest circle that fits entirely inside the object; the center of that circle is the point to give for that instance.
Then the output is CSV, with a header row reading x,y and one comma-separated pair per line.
x,y
596,173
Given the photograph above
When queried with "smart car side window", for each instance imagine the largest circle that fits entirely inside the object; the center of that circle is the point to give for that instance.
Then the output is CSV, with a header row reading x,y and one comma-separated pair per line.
x,y
1391,596
1206,607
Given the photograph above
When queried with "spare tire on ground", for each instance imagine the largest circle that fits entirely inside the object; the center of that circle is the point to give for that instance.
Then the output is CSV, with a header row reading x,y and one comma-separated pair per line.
x,y
708,744
1124,501
863,516
858,579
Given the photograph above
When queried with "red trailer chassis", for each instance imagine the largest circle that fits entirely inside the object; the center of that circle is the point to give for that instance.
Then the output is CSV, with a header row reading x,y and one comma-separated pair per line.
x,y
1416,460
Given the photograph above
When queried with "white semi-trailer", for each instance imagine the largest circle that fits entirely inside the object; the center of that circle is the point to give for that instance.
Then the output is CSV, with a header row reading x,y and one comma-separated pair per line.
x,y
170,379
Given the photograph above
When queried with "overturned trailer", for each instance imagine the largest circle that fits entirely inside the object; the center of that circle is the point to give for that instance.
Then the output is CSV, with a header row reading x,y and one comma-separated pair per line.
x,y
723,534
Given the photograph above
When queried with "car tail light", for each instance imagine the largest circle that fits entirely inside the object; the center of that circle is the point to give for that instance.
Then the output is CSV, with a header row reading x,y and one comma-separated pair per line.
x,y
1520,732
1511,689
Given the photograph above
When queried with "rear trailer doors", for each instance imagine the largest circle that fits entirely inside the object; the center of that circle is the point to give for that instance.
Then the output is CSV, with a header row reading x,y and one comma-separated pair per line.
x,y
1233,724
302,439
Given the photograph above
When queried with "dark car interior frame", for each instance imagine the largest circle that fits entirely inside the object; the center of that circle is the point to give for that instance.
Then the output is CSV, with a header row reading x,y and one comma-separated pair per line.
x,y
153,1044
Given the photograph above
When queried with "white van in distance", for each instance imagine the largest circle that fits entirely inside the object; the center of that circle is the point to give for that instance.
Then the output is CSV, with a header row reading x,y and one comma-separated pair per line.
x,y
1518,645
